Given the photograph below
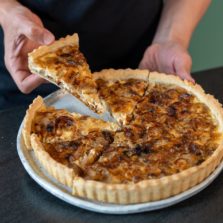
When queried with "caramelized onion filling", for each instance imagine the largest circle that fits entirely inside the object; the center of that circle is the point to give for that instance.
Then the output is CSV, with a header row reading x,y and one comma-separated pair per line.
x,y
170,131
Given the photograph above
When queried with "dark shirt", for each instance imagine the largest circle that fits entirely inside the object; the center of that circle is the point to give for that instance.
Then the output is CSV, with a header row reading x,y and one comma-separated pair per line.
x,y
112,33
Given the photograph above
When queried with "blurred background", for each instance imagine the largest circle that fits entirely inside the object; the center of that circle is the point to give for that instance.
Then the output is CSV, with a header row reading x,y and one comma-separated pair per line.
x,y
206,47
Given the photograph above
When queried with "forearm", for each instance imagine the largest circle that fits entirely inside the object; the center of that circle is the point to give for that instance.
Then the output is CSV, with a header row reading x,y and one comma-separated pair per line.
x,y
179,19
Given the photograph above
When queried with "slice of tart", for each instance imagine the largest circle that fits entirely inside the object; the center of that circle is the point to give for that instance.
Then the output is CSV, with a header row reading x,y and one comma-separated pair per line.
x,y
63,64
121,90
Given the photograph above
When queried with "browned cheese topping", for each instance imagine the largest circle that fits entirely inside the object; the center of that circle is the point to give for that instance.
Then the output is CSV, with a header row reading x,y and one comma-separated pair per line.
x,y
70,65
170,131
54,126
123,94
83,151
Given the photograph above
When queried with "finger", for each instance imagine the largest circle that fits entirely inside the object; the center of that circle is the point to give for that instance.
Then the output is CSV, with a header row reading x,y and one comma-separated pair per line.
x,y
31,82
20,73
185,76
182,68
26,81
147,65
37,33
147,62
182,71
142,65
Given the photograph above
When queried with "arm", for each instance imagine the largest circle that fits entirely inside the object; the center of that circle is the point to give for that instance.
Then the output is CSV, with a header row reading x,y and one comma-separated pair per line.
x,y
23,32
168,52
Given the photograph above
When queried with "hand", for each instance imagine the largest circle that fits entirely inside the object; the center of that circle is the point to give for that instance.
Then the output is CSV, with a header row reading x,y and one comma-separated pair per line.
x,y
23,32
169,57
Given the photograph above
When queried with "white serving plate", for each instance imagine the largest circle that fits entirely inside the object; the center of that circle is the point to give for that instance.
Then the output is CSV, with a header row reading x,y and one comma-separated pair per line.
x,y
60,99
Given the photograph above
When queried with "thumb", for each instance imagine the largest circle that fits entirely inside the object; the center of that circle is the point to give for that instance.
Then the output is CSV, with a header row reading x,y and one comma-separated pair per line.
x,y
37,33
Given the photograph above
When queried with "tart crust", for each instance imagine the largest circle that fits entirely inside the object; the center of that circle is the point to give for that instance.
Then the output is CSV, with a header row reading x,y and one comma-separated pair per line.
x,y
30,114
121,74
68,40
62,173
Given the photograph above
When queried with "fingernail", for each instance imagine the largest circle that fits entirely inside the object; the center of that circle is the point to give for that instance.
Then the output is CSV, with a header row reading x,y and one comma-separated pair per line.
x,y
191,80
48,38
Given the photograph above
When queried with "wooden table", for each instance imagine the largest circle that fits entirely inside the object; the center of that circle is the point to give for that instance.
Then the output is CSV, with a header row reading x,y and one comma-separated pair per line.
x,y
22,200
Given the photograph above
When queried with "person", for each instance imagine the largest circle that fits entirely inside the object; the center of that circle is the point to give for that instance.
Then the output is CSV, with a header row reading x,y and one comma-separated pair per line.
x,y
152,35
